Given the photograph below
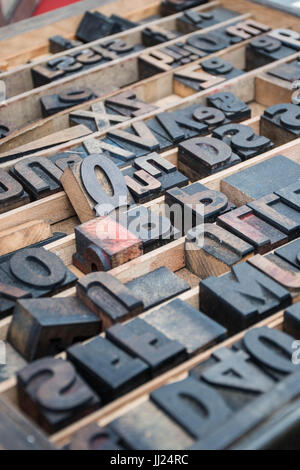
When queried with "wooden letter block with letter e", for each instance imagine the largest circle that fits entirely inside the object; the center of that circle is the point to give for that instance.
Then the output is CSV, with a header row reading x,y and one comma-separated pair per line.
x,y
195,204
180,322
103,244
248,225
108,298
260,180
241,298
109,370
281,123
203,156
142,340
211,250
12,194
95,186
38,175
243,140
18,433
52,393
234,109
53,104
45,327
35,270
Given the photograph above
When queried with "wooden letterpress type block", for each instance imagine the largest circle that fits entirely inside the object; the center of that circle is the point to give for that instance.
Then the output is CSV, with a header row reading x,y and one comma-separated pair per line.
x,y
241,298
64,160
234,109
45,327
154,230
290,253
138,139
35,270
38,175
211,42
162,170
180,322
12,194
103,244
248,429
146,427
52,393
195,204
248,225
18,433
218,66
150,176
53,104
235,374
288,37
9,295
142,340
141,184
127,104
265,50
184,401
281,123
289,72
203,156
13,362
95,186
280,271
278,213
194,79
98,119
247,29
153,35
261,179
211,250
154,62
92,437
55,69
117,155
290,195
291,322
108,298
95,26
170,7
167,285
243,140
177,126
193,20
124,23
109,370
58,44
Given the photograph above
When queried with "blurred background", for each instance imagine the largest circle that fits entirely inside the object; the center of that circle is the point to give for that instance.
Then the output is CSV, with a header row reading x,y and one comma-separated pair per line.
x,y
16,10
